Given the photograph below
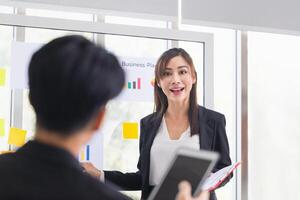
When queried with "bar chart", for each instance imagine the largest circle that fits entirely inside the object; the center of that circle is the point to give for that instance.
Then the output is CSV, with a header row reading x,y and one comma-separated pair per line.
x,y
85,153
135,85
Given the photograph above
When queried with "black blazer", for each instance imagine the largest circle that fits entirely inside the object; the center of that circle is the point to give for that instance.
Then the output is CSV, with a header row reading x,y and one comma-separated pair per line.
x,y
212,135
41,172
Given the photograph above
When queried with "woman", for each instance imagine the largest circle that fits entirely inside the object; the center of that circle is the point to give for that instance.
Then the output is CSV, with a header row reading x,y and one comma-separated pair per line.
x,y
177,122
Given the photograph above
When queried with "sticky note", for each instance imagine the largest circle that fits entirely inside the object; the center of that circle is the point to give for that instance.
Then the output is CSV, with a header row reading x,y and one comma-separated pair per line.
x,y
130,130
3,152
152,82
82,155
16,137
2,76
2,126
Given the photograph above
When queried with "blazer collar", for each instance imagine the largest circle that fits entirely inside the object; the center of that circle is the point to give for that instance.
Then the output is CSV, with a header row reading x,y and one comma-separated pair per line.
x,y
205,131
152,128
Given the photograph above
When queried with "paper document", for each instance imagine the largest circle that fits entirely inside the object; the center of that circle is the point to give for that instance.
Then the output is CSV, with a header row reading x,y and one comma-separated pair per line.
x,y
215,179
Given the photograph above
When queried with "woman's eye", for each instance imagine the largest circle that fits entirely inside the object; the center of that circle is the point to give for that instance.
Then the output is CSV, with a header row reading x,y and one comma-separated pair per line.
x,y
183,72
166,74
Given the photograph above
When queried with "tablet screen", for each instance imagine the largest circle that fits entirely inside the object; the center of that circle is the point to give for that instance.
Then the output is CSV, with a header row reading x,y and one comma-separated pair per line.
x,y
192,169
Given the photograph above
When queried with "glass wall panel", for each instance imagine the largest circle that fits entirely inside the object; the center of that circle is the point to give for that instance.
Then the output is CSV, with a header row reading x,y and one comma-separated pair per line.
x,y
40,36
274,116
123,154
196,52
134,46
119,153
6,37
224,89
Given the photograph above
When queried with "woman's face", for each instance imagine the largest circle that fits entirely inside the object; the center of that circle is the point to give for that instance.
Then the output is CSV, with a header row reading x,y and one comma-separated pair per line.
x,y
177,80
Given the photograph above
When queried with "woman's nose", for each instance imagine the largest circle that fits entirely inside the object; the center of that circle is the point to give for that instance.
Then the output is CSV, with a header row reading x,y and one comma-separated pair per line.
x,y
175,78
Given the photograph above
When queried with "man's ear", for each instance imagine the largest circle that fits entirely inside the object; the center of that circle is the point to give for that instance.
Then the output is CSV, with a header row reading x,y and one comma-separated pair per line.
x,y
99,119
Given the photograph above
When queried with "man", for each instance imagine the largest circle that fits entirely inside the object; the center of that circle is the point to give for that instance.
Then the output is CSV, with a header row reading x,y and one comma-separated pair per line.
x,y
70,82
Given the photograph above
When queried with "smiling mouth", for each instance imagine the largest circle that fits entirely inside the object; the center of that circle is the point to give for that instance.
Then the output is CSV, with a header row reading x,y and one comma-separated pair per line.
x,y
177,90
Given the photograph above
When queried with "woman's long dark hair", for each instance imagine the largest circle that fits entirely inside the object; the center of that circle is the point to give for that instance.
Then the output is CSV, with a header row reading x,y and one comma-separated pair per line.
x,y
160,99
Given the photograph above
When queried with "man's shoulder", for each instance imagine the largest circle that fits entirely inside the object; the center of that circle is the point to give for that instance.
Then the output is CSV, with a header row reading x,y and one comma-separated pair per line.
x,y
92,188
64,182
7,159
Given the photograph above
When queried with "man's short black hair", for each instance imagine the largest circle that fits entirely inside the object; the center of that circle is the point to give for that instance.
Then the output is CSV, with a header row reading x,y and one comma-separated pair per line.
x,y
70,80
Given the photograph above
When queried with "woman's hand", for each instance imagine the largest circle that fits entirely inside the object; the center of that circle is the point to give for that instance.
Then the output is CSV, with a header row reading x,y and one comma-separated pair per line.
x,y
91,169
185,192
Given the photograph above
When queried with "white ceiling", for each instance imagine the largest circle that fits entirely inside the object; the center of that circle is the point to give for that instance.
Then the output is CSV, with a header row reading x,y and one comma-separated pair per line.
x,y
241,14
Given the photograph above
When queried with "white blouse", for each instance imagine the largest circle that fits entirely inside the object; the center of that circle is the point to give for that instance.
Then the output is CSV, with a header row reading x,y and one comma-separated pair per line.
x,y
163,150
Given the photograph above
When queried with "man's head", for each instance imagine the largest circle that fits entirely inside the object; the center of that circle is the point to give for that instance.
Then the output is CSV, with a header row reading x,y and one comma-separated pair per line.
x,y
70,81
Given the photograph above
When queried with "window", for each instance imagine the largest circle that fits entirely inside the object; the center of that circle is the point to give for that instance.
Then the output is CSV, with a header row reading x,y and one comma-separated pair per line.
x,y
6,9
40,36
59,14
123,154
274,113
35,35
196,52
6,36
135,22
119,154
224,88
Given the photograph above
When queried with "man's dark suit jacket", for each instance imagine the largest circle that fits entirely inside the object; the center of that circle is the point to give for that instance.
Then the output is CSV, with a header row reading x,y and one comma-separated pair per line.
x,y
41,172
212,136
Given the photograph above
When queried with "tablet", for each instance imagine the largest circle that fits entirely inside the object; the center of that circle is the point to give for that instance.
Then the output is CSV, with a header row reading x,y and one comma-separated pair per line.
x,y
190,165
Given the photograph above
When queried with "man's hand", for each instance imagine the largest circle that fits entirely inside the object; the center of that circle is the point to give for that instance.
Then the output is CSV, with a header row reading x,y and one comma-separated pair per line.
x,y
91,169
185,192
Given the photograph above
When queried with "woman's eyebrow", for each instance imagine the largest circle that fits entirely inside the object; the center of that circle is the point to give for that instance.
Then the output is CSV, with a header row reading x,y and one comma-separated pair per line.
x,y
182,66
168,69
179,67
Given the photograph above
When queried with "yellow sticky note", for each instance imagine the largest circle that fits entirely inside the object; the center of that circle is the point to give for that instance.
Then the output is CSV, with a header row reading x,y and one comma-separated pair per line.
x,y
82,155
2,126
2,77
16,137
130,130
4,152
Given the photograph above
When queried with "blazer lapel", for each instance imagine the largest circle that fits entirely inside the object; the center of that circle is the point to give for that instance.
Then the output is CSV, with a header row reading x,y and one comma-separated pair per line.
x,y
151,131
205,131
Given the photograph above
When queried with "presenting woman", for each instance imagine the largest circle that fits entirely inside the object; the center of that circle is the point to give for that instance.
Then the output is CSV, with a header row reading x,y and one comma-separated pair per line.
x,y
177,122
